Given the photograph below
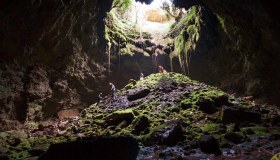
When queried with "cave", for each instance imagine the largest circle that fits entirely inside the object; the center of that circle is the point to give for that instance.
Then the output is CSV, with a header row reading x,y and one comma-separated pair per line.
x,y
139,79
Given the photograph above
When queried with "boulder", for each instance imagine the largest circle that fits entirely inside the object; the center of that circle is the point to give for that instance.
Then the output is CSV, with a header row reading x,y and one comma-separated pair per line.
x,y
221,100
209,144
169,134
119,116
141,124
138,95
206,105
239,115
234,137
105,148
211,105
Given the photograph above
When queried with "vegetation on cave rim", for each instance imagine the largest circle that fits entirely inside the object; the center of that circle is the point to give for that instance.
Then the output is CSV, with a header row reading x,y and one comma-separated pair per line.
x,y
122,34
186,33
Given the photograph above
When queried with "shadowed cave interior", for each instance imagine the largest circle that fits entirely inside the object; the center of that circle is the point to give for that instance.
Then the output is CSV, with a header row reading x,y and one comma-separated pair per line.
x,y
194,79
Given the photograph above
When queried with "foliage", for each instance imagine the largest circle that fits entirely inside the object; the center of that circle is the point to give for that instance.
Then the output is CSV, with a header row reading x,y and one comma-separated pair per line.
x,y
122,35
186,34
172,11
121,5
210,127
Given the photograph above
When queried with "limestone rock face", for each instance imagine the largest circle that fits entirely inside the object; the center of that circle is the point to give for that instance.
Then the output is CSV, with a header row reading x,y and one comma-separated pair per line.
x,y
237,45
49,56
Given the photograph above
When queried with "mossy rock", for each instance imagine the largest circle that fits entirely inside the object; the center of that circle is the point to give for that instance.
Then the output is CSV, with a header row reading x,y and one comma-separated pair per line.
x,y
276,156
206,105
166,134
257,129
140,124
186,104
117,117
210,128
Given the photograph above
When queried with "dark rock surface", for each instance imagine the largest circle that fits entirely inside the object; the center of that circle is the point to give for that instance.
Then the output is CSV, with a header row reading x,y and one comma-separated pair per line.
x,y
46,57
209,144
239,115
168,135
206,105
234,137
138,95
141,124
118,148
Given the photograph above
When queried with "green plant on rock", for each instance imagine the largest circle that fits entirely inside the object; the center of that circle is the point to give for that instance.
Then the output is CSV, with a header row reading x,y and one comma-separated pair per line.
x,y
210,127
121,5
186,33
257,129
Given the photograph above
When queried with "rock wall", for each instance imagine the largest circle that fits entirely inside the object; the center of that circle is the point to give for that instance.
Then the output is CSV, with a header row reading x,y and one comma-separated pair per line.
x,y
252,30
244,55
51,56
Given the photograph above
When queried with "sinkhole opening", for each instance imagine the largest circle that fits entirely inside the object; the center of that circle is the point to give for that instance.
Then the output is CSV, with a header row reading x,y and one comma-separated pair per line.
x,y
141,37
154,19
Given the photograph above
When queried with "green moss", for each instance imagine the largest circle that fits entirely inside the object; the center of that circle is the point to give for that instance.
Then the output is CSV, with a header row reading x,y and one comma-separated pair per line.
x,y
124,111
210,93
121,34
185,41
122,5
24,145
185,104
196,132
276,156
210,127
159,79
3,135
258,130
222,23
19,155
145,139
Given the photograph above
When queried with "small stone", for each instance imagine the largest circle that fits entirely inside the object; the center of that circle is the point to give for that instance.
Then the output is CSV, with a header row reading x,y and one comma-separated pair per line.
x,y
209,144
234,137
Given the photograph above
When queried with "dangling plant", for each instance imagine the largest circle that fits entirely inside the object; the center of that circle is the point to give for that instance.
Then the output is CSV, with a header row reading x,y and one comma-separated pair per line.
x,y
121,5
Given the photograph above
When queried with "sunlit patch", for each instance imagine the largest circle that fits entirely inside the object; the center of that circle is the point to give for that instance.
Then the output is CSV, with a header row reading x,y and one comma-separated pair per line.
x,y
153,18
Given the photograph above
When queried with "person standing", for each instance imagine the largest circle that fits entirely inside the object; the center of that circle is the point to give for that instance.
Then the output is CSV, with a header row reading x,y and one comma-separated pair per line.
x,y
155,60
161,69
99,98
113,90
141,76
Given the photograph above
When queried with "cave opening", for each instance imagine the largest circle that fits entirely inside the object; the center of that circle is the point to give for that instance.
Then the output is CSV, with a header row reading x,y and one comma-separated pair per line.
x,y
215,100
135,31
